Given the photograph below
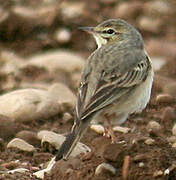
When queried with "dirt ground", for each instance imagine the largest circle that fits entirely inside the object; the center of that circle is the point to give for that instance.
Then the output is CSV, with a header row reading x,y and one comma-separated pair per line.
x,y
148,153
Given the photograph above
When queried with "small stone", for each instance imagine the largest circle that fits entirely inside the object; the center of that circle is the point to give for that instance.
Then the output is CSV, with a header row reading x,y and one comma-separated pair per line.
x,y
121,129
25,105
154,126
174,130
105,168
141,164
139,157
21,145
157,173
164,98
52,141
149,141
97,128
63,35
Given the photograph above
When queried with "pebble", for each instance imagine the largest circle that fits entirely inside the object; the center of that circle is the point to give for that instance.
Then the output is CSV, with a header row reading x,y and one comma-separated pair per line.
x,y
25,105
139,157
63,35
154,126
97,128
21,145
174,130
149,141
121,129
104,168
164,98
141,164
51,140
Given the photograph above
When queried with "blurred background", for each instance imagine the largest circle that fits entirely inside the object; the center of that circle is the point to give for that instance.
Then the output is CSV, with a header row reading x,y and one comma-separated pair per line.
x,y
42,51
31,27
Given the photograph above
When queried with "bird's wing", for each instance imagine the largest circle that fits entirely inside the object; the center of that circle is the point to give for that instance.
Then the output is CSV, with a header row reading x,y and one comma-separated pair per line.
x,y
113,82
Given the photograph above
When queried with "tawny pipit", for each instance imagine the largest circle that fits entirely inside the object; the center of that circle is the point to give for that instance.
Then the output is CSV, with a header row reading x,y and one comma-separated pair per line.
x,y
116,80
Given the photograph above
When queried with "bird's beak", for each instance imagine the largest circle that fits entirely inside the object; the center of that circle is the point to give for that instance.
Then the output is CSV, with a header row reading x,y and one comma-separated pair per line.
x,y
87,29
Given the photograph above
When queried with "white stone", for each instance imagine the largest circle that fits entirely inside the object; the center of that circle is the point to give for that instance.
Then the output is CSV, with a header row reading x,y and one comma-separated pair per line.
x,y
149,141
97,128
121,129
141,164
21,145
56,140
28,104
105,167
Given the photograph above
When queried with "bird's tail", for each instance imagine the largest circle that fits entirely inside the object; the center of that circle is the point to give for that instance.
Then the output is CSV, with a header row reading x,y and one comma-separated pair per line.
x,y
71,141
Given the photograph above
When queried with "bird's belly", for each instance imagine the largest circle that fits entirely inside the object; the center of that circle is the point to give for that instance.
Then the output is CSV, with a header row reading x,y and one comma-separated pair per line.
x,y
135,102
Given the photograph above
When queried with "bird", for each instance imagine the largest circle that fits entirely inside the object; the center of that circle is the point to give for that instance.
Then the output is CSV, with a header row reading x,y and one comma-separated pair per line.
x,y
116,79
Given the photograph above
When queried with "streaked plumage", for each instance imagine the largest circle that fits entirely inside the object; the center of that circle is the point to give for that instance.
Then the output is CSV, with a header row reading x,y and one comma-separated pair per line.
x,y
116,80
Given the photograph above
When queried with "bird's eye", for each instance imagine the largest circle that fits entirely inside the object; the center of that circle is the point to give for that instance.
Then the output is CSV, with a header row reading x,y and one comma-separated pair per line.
x,y
110,31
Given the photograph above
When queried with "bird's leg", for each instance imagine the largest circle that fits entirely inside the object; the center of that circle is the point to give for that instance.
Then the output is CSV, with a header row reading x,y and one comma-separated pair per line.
x,y
109,130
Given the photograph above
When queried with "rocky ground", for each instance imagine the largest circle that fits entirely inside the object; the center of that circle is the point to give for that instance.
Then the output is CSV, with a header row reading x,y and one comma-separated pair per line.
x,y
42,54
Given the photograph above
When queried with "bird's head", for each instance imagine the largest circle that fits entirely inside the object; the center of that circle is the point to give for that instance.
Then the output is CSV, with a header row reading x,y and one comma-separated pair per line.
x,y
111,31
